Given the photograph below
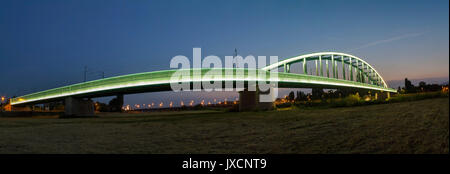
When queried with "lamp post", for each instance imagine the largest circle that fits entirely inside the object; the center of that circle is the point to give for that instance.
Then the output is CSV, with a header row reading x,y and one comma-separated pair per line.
x,y
1,104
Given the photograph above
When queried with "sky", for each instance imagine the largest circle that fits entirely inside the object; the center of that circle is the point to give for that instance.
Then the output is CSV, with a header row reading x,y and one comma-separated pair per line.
x,y
47,43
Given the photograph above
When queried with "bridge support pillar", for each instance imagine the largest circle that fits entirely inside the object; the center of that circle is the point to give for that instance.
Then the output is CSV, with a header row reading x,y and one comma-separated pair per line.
x,y
249,101
78,107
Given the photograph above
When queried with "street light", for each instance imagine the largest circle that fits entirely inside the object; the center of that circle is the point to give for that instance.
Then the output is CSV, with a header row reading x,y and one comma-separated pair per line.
x,y
3,99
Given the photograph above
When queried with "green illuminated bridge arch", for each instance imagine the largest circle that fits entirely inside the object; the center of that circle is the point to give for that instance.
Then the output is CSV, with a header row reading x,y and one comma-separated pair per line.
x,y
330,70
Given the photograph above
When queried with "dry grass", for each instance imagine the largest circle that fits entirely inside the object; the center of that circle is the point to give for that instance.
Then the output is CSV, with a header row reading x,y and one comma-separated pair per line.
x,y
407,127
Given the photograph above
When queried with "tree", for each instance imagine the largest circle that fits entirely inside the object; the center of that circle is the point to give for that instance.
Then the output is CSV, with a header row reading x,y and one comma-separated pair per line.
x,y
291,96
102,107
408,86
115,105
422,84
317,93
301,96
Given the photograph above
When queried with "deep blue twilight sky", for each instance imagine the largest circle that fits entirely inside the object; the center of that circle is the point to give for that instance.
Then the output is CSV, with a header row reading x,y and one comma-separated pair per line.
x,y
46,44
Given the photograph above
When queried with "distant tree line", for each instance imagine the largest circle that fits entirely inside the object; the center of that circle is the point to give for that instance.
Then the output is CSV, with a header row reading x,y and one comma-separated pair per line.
x,y
423,87
113,106
318,94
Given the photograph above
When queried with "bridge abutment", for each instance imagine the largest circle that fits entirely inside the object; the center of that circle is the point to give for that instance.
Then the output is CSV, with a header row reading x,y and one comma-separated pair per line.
x,y
78,107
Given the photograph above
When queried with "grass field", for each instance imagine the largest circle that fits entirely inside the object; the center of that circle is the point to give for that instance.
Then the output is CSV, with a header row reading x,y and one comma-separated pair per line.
x,y
406,127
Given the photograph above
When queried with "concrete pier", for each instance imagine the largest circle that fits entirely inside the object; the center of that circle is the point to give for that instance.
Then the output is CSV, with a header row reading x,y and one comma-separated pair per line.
x,y
78,107
249,101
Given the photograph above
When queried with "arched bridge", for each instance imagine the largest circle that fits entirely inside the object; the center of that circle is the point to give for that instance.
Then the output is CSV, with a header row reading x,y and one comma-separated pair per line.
x,y
330,70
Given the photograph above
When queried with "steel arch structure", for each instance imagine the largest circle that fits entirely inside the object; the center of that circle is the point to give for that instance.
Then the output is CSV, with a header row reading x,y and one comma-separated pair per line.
x,y
373,77
368,79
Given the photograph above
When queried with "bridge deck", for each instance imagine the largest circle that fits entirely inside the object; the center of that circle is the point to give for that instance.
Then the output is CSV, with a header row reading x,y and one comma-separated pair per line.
x,y
160,81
